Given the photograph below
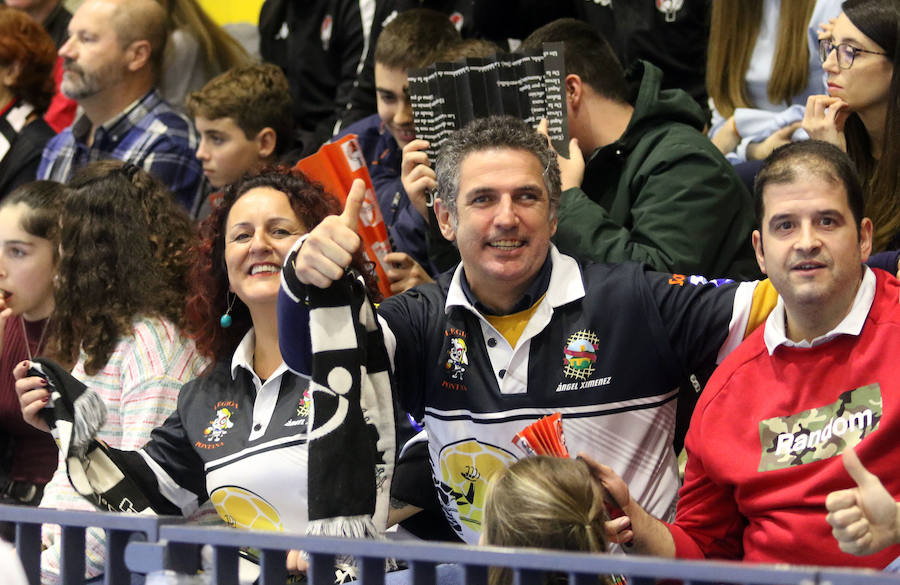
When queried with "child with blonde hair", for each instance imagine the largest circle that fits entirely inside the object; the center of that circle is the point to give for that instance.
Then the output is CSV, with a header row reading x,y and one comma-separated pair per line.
x,y
545,502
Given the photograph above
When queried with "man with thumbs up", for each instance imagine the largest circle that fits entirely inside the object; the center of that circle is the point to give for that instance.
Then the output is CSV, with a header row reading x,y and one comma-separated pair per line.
x,y
819,379
519,331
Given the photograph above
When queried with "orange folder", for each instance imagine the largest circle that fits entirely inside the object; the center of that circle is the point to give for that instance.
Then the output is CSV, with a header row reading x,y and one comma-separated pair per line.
x,y
335,166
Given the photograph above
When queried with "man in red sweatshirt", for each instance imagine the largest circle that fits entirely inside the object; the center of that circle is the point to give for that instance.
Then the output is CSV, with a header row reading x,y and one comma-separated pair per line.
x,y
818,379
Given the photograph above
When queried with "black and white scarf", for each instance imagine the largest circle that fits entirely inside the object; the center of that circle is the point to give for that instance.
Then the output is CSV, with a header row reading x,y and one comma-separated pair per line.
x,y
352,443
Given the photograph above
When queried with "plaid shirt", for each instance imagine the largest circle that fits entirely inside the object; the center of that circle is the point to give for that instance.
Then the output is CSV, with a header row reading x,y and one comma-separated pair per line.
x,y
149,134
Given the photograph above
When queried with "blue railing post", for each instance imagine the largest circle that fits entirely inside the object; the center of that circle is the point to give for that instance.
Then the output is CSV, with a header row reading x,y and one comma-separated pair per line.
x,y
321,569
115,571
71,562
28,547
423,573
371,570
527,577
183,557
272,567
476,575
225,565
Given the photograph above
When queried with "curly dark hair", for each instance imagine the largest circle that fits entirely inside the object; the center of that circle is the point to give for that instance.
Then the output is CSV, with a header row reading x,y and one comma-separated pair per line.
x,y
209,280
125,249
24,41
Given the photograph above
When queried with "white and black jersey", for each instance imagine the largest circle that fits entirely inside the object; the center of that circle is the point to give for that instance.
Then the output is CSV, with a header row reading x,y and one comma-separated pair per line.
x,y
235,439
608,347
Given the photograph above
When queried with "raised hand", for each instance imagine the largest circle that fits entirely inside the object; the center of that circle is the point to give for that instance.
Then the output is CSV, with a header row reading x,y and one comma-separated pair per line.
x,y
329,247
617,529
417,175
33,396
824,119
864,519
403,272
571,169
825,28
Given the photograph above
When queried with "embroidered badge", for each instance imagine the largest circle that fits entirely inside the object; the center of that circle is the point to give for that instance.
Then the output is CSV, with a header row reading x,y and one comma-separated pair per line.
x,y
326,30
301,416
669,8
580,354
218,427
458,358
457,19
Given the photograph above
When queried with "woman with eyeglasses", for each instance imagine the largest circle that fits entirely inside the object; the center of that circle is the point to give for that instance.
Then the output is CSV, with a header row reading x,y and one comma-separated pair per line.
x,y
861,112
762,64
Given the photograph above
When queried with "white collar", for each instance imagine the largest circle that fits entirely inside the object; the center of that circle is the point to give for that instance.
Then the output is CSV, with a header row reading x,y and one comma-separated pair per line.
x,y
565,286
775,335
243,358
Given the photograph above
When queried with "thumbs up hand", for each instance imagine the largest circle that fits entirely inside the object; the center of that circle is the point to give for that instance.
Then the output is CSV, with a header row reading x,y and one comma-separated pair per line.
x,y
329,247
864,519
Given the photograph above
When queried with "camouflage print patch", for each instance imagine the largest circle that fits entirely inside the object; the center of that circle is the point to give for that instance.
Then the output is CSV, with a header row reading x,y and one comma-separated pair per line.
x,y
820,433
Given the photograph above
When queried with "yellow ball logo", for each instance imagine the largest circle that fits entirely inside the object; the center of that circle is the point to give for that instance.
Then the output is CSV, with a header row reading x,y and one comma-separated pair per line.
x,y
244,509
466,468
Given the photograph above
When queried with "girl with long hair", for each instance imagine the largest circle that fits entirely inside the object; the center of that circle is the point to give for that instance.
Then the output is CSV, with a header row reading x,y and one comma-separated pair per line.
x,y
116,318
861,111
762,64
29,237
197,50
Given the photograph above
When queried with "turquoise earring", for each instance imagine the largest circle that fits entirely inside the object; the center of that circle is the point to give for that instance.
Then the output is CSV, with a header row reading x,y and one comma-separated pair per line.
x,y
225,320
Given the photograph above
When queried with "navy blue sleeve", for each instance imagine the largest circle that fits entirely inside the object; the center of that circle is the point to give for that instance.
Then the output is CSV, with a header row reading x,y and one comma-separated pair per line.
x,y
885,260
695,313
293,320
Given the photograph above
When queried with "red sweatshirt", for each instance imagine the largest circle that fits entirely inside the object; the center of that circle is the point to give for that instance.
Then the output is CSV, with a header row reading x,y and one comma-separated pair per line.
x,y
766,436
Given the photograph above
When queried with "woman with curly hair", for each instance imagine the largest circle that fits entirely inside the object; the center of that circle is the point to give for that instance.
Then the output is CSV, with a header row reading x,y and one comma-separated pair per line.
x,y
117,318
239,431
27,56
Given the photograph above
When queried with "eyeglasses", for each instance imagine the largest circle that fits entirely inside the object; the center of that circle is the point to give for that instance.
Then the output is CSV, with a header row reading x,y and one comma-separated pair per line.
x,y
845,53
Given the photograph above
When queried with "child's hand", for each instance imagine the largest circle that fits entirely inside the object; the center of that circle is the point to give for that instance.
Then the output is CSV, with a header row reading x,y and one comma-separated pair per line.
x,y
417,175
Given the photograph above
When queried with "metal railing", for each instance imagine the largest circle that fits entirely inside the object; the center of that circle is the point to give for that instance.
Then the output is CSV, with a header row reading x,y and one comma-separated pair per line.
x,y
142,544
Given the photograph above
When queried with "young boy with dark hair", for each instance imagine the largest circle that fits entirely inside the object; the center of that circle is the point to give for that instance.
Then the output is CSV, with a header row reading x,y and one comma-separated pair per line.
x,y
415,38
245,118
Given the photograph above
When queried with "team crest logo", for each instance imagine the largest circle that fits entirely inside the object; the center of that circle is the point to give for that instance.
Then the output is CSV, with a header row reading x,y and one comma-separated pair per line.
x,y
466,469
457,19
218,426
458,358
669,8
580,354
325,31
301,416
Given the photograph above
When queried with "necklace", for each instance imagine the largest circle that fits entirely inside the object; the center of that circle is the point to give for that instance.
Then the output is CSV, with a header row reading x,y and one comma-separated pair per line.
x,y
40,341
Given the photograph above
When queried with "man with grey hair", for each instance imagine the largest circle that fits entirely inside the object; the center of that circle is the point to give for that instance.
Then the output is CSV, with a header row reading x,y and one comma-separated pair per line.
x,y
112,63
519,331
